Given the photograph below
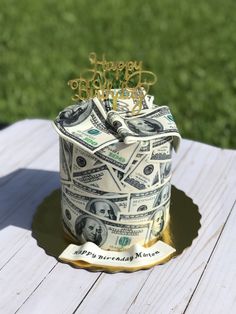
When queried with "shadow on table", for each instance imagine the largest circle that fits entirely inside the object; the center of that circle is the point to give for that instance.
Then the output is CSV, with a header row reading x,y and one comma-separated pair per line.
x,y
28,191
21,192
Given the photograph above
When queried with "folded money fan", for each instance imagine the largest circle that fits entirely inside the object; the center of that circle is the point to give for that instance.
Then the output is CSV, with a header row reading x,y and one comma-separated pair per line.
x,y
115,169
88,125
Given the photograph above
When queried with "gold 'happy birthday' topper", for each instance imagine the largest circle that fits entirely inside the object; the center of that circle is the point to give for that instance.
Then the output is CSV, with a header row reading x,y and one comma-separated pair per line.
x,y
106,76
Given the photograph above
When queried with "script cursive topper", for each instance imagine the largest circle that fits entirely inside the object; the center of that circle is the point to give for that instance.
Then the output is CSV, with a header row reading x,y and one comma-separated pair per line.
x,y
113,80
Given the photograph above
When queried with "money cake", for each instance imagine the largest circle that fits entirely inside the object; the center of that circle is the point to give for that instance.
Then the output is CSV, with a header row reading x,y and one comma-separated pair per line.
x,y
115,171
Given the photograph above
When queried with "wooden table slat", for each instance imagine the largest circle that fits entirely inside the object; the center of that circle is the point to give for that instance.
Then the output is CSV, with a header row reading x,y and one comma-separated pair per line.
x,y
215,293
19,198
21,149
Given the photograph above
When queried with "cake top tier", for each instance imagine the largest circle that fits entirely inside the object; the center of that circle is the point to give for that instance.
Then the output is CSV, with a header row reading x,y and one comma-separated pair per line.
x,y
113,105
93,126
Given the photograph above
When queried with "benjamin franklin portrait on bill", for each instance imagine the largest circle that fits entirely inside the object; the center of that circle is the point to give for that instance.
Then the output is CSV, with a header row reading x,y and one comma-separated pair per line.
x,y
103,208
144,126
90,229
158,221
75,114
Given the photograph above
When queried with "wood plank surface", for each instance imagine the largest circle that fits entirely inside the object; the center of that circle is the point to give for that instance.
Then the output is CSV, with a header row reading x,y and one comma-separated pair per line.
x,y
22,191
22,142
33,282
216,292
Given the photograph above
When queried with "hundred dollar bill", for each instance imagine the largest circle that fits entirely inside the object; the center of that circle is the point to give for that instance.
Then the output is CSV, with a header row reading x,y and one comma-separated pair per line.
x,y
108,206
78,187
148,215
101,177
144,175
66,152
109,235
84,124
83,160
162,150
146,200
118,155
151,125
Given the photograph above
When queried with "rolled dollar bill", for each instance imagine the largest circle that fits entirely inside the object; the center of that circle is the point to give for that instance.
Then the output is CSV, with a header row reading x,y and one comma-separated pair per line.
x,y
153,124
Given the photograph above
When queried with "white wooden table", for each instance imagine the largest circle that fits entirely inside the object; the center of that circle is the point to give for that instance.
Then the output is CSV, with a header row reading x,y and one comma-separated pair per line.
x,y
201,280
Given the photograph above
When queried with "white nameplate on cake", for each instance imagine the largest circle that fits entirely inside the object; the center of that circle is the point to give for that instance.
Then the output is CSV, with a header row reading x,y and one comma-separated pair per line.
x,y
135,257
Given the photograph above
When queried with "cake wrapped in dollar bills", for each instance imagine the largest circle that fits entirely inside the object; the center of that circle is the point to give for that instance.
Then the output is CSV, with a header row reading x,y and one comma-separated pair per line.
x,y
115,171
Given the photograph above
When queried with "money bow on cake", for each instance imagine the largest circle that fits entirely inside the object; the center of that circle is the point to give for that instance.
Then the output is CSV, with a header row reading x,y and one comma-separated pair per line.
x,y
115,171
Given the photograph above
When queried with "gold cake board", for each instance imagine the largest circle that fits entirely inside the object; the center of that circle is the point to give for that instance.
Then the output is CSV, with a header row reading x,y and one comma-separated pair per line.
x,y
180,232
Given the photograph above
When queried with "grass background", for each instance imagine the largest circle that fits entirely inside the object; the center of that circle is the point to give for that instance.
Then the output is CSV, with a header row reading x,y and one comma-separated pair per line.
x,y
190,45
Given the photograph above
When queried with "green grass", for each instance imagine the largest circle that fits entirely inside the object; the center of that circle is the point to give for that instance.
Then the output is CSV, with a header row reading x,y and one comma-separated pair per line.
x,y
190,45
